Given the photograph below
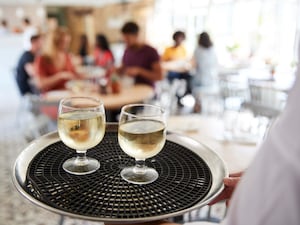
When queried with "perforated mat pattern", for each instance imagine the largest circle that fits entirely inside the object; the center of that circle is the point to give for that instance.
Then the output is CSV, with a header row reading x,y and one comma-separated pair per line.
x,y
184,179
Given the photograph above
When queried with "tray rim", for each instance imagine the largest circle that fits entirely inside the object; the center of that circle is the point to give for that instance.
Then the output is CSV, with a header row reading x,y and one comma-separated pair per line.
x,y
210,157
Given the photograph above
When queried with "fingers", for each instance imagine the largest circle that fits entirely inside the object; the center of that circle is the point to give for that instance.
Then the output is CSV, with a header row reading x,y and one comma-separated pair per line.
x,y
231,182
227,202
239,174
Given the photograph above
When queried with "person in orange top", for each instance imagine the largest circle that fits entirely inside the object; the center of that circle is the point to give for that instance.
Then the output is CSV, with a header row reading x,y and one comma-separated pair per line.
x,y
54,67
177,51
103,56
177,55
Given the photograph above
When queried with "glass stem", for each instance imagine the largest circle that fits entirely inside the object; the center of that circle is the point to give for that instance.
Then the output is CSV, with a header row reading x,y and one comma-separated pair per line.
x,y
140,167
81,158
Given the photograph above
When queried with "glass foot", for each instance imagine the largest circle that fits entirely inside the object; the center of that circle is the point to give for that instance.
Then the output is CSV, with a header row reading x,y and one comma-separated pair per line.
x,y
130,174
81,167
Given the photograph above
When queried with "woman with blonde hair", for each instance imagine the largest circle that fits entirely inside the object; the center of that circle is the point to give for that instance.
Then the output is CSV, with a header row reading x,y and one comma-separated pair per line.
x,y
54,67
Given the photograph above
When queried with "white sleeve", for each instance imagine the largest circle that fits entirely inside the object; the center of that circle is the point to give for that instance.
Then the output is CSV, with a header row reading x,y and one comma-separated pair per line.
x,y
269,192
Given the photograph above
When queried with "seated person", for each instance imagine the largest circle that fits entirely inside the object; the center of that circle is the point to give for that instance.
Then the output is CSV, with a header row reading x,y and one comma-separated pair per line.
x,y
177,55
205,62
25,68
103,56
54,67
177,51
140,60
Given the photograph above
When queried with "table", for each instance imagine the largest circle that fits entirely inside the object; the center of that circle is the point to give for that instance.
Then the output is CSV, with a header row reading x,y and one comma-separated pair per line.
x,y
190,176
179,66
284,86
208,130
91,72
133,94
112,102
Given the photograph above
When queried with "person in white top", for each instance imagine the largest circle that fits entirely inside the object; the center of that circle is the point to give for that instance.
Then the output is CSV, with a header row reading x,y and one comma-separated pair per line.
x,y
28,32
269,190
205,62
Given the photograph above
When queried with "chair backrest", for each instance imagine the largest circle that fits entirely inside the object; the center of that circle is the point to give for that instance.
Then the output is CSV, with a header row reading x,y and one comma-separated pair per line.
x,y
167,94
266,100
233,90
267,96
232,87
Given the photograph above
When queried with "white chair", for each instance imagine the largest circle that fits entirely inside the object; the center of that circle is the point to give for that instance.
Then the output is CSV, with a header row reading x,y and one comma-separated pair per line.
x,y
233,91
31,120
265,100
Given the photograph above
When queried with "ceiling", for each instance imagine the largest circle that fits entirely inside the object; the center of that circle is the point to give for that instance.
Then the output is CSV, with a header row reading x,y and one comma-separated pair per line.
x,y
64,2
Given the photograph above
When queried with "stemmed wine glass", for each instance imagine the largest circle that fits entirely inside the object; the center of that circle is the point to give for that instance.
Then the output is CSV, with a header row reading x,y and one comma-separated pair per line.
x,y
81,126
141,135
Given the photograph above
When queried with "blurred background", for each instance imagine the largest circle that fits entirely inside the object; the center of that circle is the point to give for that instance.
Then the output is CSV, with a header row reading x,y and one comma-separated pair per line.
x,y
255,43
242,30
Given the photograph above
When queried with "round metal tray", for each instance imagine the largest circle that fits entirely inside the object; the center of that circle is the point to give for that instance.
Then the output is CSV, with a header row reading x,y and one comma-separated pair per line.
x,y
190,176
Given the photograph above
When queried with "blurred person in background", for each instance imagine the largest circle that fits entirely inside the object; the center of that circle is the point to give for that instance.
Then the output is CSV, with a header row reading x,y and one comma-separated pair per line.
x,y
205,62
25,68
175,62
103,56
83,48
177,51
140,60
175,58
54,66
4,28
28,31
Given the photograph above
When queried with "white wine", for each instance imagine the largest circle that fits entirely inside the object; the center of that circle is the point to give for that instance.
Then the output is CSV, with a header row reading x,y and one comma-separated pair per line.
x,y
81,130
142,139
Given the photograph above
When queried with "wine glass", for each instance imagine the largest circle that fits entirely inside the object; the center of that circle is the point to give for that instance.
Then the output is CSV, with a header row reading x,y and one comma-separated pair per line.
x,y
141,135
81,126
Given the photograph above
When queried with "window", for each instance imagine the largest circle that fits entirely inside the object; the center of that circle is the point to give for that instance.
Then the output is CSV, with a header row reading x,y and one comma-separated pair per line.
x,y
266,29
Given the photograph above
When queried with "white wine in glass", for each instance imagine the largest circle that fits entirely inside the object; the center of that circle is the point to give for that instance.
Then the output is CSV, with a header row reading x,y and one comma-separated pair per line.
x,y
141,135
81,126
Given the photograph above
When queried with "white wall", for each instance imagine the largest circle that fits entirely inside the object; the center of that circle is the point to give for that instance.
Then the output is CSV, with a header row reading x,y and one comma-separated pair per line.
x,y
8,12
10,50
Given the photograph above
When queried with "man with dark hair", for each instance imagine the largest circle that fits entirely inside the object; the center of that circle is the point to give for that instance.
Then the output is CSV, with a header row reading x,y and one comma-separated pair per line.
x,y
130,28
25,69
140,60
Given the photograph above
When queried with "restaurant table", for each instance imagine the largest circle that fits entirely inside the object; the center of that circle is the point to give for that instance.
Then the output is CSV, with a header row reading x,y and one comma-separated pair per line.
x,y
112,102
209,131
190,176
179,66
91,72
133,94
274,85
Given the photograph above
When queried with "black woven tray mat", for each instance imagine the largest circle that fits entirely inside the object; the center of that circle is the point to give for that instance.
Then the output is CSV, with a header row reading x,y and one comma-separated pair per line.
x,y
184,179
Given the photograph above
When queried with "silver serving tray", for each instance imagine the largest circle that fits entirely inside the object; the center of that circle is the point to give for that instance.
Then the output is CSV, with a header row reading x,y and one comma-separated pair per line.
x,y
214,162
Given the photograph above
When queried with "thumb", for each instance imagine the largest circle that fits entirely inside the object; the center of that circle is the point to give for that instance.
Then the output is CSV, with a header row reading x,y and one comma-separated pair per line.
x,y
231,182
